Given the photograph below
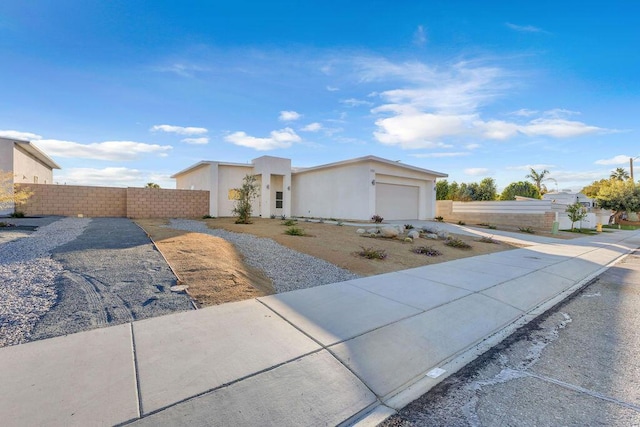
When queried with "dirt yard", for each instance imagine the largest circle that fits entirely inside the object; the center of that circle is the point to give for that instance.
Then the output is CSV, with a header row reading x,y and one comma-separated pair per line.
x,y
215,273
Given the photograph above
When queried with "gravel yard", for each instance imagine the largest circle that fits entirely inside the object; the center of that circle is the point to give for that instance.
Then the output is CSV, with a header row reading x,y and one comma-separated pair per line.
x,y
288,269
77,274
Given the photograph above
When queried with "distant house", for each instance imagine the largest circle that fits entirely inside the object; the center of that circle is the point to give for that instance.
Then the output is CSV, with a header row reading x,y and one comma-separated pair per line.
x,y
26,162
567,197
351,189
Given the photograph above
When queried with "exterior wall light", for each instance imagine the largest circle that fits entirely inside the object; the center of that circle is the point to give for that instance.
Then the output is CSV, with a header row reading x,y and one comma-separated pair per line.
x,y
373,182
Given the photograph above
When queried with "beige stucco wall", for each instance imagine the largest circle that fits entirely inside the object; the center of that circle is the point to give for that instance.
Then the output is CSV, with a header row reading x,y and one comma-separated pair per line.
x,y
203,177
343,191
6,156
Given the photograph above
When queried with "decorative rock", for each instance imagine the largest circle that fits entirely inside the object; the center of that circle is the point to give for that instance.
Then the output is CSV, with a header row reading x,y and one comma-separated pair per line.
x,y
408,239
431,236
372,230
179,288
413,234
389,232
360,231
373,235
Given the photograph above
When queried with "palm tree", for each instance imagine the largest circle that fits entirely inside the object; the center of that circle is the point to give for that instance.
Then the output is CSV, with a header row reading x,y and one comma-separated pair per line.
x,y
620,174
152,185
537,178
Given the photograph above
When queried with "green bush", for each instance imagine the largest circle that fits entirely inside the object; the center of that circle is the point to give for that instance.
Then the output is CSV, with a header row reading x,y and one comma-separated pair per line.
x,y
371,253
377,219
207,216
461,223
17,214
526,230
426,250
487,239
454,242
290,222
408,227
294,231
439,218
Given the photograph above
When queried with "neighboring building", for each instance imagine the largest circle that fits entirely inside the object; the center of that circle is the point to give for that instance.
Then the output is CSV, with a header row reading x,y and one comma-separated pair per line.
x,y
566,197
26,163
351,189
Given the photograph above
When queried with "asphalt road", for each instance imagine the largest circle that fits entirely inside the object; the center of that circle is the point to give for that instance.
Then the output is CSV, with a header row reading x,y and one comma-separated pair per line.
x,y
112,274
577,365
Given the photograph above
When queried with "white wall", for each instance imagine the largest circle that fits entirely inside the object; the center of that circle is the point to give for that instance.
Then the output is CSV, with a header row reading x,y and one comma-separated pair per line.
x,y
28,169
6,165
201,178
338,192
230,177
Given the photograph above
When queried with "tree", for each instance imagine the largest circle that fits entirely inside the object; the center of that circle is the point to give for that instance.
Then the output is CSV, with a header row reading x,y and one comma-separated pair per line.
x,y
576,213
520,188
152,185
620,174
538,178
10,195
442,189
618,196
487,190
244,198
592,189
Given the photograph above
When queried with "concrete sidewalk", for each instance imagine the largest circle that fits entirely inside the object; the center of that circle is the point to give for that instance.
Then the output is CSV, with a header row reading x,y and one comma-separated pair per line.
x,y
342,353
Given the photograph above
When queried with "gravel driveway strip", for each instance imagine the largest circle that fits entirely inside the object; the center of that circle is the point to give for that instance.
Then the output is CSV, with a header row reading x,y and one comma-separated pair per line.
x,y
78,274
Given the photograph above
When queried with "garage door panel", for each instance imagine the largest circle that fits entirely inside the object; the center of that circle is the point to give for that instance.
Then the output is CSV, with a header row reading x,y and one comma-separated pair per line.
x,y
397,201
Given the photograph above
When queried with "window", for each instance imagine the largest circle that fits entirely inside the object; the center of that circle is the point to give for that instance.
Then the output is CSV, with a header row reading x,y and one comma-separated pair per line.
x,y
234,194
279,199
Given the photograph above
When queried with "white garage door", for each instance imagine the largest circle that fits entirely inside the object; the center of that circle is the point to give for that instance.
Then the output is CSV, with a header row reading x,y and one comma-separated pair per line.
x,y
396,201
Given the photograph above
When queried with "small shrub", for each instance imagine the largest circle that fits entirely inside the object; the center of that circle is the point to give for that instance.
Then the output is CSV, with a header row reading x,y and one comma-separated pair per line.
x,y
454,242
483,224
290,222
207,216
461,223
321,221
439,218
426,250
526,230
332,219
408,239
283,217
17,214
408,227
272,216
487,239
377,219
371,253
373,235
491,227
294,231
5,224
339,223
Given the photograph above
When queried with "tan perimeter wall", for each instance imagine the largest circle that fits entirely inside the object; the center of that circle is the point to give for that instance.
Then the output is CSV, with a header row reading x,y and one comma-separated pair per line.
x,y
74,200
542,221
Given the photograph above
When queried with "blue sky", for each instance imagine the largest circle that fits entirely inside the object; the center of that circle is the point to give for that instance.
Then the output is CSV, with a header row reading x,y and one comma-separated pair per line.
x,y
126,92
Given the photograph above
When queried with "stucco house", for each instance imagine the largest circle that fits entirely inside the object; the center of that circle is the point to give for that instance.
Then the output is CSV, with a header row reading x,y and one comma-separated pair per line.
x,y
351,189
27,164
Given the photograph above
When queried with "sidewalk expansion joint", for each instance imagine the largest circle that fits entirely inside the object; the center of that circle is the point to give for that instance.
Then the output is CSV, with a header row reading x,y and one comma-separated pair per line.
x,y
135,370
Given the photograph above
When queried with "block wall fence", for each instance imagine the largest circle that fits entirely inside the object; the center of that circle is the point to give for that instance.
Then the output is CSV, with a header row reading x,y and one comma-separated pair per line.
x,y
131,202
541,221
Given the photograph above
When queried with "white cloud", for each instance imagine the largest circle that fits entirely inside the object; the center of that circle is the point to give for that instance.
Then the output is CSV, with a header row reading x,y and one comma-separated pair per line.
x,y
419,36
477,171
180,130
472,146
312,127
353,102
440,155
288,116
497,129
108,150
113,176
412,129
14,134
282,138
559,128
183,70
524,112
196,141
332,89
620,159
539,166
525,28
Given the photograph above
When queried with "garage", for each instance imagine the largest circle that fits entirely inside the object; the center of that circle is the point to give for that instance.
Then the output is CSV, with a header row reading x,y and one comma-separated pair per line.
x,y
397,201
